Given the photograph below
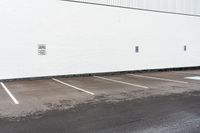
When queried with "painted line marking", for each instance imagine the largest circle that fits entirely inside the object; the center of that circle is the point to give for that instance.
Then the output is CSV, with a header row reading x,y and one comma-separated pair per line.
x,y
193,78
122,82
156,78
9,93
77,88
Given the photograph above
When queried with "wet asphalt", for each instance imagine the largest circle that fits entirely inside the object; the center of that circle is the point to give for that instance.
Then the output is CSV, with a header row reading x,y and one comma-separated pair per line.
x,y
175,113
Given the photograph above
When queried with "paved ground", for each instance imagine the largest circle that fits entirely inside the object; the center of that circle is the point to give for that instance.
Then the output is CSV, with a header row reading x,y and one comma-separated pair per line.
x,y
152,102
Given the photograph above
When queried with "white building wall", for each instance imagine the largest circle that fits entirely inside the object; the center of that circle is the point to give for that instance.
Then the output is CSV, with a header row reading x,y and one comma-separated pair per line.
x,y
84,38
176,6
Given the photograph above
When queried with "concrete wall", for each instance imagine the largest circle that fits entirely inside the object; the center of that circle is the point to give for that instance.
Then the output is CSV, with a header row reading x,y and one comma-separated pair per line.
x,y
83,38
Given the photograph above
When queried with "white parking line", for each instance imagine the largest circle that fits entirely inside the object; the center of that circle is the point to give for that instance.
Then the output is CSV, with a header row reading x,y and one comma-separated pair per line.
x,y
122,82
156,78
193,78
9,93
77,88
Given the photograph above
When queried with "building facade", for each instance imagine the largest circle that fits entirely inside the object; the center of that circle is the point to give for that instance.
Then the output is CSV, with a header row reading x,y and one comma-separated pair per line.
x,y
59,37
188,7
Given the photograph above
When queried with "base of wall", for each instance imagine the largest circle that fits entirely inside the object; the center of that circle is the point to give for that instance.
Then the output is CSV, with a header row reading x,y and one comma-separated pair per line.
x,y
107,73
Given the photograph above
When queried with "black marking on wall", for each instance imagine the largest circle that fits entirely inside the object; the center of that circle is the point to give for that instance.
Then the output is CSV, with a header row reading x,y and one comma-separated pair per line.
x,y
185,48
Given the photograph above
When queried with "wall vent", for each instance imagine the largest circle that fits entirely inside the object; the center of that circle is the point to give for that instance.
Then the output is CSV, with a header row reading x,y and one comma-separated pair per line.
x,y
137,49
42,49
185,48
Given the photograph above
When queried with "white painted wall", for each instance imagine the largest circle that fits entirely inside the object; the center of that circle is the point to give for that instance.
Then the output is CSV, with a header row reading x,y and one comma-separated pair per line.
x,y
84,38
176,6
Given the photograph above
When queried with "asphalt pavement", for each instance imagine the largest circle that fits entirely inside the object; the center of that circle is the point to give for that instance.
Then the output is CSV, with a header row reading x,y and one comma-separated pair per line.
x,y
177,113
151,102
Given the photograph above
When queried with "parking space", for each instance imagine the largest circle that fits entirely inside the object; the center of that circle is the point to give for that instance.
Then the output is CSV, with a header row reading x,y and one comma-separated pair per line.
x,y
171,81
191,75
61,81
179,76
4,98
40,95
190,72
42,90
163,76
100,86
22,97
5,102
148,82
154,85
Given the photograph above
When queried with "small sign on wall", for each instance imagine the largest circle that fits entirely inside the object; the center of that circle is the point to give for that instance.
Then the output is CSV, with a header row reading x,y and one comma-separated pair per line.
x,y
42,49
